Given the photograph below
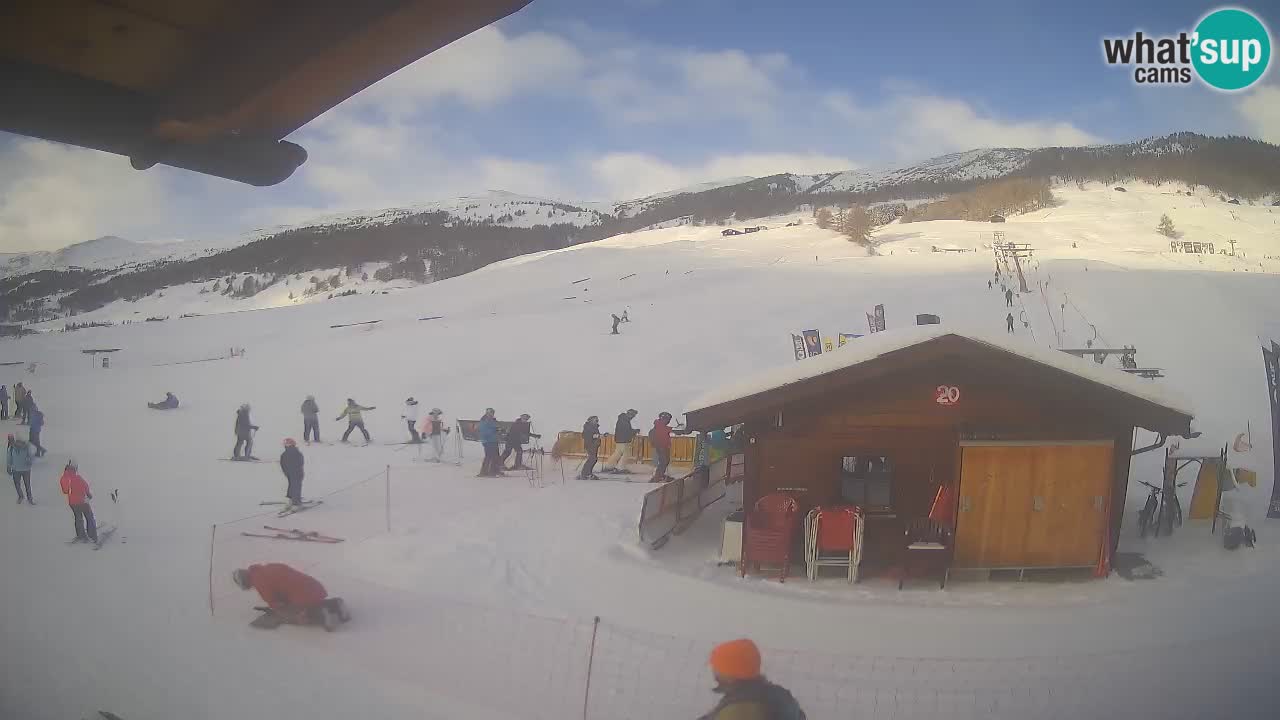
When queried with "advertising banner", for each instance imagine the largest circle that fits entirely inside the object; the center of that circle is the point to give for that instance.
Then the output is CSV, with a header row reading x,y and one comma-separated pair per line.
x,y
797,344
880,318
1271,359
812,342
846,337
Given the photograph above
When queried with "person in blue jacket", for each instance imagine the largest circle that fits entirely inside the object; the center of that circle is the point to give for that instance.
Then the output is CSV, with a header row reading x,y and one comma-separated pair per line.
x,y
488,432
37,424
17,462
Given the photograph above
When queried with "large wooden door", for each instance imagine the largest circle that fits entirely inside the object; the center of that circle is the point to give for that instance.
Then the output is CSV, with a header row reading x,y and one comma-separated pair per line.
x,y
1027,505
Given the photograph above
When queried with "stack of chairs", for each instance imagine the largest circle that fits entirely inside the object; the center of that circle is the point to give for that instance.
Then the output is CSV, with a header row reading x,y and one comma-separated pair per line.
x,y
767,535
833,538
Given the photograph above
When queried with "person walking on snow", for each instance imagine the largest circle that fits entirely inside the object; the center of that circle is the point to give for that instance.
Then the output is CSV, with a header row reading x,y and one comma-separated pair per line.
x,y
19,401
590,441
517,435
244,434
660,436
37,424
355,419
623,434
310,420
1008,298
488,432
4,402
17,462
78,497
410,416
1009,321
435,429
292,597
745,693
291,461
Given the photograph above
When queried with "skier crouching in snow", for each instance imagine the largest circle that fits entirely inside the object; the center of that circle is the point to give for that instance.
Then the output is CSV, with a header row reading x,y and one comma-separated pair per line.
x,y
352,412
435,429
291,597
410,416
78,497
488,432
291,461
590,441
244,434
169,402
17,462
517,435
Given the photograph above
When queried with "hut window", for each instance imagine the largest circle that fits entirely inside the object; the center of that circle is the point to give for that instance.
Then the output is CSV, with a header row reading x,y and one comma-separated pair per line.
x,y
867,481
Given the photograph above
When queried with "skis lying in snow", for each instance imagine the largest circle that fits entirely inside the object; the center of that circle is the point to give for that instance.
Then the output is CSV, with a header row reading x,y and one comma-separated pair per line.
x,y
294,534
241,459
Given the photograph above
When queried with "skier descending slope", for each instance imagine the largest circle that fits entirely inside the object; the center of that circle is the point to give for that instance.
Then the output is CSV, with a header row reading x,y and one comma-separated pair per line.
x,y
310,420
435,429
591,442
352,412
623,434
244,434
291,597
410,416
17,462
78,497
291,462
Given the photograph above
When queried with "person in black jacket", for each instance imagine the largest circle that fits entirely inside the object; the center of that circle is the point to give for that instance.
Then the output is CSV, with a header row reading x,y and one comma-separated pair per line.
x,y
590,441
517,435
291,465
244,434
623,434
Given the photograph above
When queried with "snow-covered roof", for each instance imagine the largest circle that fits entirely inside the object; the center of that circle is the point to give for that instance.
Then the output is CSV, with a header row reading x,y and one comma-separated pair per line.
x,y
873,346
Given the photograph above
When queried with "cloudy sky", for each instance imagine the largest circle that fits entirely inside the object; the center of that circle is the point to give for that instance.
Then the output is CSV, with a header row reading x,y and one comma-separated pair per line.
x,y
613,99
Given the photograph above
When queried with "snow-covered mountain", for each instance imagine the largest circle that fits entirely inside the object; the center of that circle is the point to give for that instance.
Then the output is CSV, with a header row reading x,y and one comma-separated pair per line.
x,y
104,253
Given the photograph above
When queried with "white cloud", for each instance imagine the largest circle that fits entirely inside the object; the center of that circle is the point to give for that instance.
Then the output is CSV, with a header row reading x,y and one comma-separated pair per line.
x,y
947,124
1260,110
55,195
480,70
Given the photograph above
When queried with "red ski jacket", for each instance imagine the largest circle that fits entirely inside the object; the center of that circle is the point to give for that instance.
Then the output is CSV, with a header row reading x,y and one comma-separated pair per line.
x,y
281,586
74,487
661,435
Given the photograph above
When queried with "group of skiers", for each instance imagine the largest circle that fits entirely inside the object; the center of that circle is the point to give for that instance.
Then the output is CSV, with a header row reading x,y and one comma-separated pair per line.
x,y
26,412
519,433
623,437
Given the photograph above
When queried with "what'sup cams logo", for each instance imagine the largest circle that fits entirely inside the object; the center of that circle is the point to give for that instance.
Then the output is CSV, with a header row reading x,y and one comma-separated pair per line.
x,y
1229,50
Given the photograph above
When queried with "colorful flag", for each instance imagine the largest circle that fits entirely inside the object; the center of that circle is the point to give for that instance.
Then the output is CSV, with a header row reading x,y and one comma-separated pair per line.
x,y
846,337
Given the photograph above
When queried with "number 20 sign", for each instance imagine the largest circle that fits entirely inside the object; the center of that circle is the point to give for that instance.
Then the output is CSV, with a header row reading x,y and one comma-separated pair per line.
x,y
946,395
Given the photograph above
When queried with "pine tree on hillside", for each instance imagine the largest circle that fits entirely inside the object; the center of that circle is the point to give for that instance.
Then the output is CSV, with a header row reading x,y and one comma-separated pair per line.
x,y
1166,227
823,218
857,225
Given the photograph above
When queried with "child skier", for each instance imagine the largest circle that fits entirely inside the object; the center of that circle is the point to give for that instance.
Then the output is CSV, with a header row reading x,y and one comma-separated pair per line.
x,y
310,420
291,462
590,441
291,597
435,429
78,497
410,416
352,412
244,434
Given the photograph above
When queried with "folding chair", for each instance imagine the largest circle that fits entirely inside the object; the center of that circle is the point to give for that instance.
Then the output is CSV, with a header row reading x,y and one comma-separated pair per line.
x,y
767,534
833,538
929,543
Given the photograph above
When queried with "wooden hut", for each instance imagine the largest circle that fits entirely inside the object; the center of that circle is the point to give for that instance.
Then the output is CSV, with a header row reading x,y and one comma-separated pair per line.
x,y
1031,445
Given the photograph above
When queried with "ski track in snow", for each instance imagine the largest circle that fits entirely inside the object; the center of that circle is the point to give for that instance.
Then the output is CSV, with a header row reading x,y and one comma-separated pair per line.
x,y
479,601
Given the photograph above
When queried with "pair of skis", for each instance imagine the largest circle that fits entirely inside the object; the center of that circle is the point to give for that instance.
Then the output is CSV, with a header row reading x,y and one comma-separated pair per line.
x,y
294,534
291,508
104,534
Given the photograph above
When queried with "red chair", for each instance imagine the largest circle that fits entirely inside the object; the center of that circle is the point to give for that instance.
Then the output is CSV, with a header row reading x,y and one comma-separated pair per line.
x,y
833,538
768,533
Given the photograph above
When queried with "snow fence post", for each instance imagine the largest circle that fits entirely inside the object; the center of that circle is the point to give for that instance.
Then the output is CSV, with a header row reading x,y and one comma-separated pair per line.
x,y
586,692
213,534
388,496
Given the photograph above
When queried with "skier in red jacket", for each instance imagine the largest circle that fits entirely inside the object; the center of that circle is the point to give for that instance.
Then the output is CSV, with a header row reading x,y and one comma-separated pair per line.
x,y
660,437
291,596
78,497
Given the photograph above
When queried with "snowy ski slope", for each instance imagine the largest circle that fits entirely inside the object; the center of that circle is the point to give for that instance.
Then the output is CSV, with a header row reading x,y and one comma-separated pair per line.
x,y
477,603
